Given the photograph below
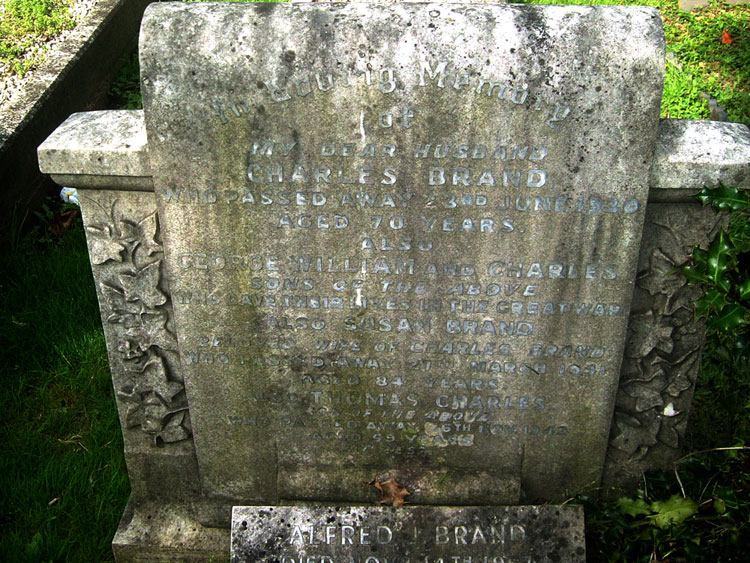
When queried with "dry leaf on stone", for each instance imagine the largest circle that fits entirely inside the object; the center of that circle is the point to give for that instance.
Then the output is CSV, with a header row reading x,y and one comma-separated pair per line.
x,y
392,492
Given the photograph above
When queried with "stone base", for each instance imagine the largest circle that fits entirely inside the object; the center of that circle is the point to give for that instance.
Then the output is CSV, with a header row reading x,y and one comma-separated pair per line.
x,y
327,533
167,533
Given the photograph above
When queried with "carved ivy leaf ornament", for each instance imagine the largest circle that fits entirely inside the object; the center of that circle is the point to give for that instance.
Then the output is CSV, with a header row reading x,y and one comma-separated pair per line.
x,y
133,258
658,278
154,378
122,311
130,350
152,331
143,285
104,246
149,226
174,430
632,435
647,334
142,237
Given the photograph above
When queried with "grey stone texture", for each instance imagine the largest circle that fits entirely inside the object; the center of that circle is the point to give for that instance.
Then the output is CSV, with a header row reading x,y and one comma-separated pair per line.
x,y
692,154
99,150
663,350
242,374
558,218
428,534
127,260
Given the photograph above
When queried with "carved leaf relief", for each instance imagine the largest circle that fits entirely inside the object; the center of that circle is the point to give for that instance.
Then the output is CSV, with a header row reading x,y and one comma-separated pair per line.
x,y
103,246
664,340
137,301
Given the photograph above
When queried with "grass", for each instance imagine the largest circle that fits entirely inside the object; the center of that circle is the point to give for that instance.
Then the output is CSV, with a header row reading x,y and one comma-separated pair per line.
x,y
64,483
711,61
25,26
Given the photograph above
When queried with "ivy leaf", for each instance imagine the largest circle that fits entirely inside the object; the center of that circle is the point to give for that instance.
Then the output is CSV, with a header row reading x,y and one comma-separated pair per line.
x,y
121,310
152,331
173,430
150,228
729,317
673,511
103,245
711,300
154,379
744,288
143,286
633,507
719,260
725,198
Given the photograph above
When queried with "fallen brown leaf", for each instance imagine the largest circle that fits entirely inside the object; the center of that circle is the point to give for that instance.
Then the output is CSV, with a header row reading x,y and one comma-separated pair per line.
x,y
392,492
62,221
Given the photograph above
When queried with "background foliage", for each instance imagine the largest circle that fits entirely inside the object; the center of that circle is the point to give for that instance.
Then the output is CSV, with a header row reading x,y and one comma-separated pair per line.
x,y
24,27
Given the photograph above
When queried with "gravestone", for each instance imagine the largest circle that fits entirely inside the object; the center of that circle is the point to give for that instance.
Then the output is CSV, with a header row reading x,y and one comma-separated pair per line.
x,y
351,244
391,236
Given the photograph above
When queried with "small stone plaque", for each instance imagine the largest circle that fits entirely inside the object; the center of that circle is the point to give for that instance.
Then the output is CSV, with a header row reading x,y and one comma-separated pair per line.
x,y
414,534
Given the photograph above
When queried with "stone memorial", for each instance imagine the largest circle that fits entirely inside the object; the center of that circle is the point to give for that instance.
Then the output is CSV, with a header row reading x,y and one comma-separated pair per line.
x,y
421,533
347,247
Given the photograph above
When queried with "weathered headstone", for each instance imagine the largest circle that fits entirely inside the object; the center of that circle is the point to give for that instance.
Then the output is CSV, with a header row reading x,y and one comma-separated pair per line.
x,y
420,534
359,242
401,239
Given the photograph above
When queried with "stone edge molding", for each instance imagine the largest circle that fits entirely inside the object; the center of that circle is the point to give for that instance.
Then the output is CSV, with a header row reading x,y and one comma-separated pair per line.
x,y
108,150
74,76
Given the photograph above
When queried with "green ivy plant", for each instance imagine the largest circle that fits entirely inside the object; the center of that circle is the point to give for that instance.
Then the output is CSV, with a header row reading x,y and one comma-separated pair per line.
x,y
724,269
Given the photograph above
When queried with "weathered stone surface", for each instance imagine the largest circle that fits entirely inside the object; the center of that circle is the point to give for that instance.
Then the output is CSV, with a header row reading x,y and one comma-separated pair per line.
x,y
127,260
693,154
98,143
350,301
167,531
412,534
663,350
